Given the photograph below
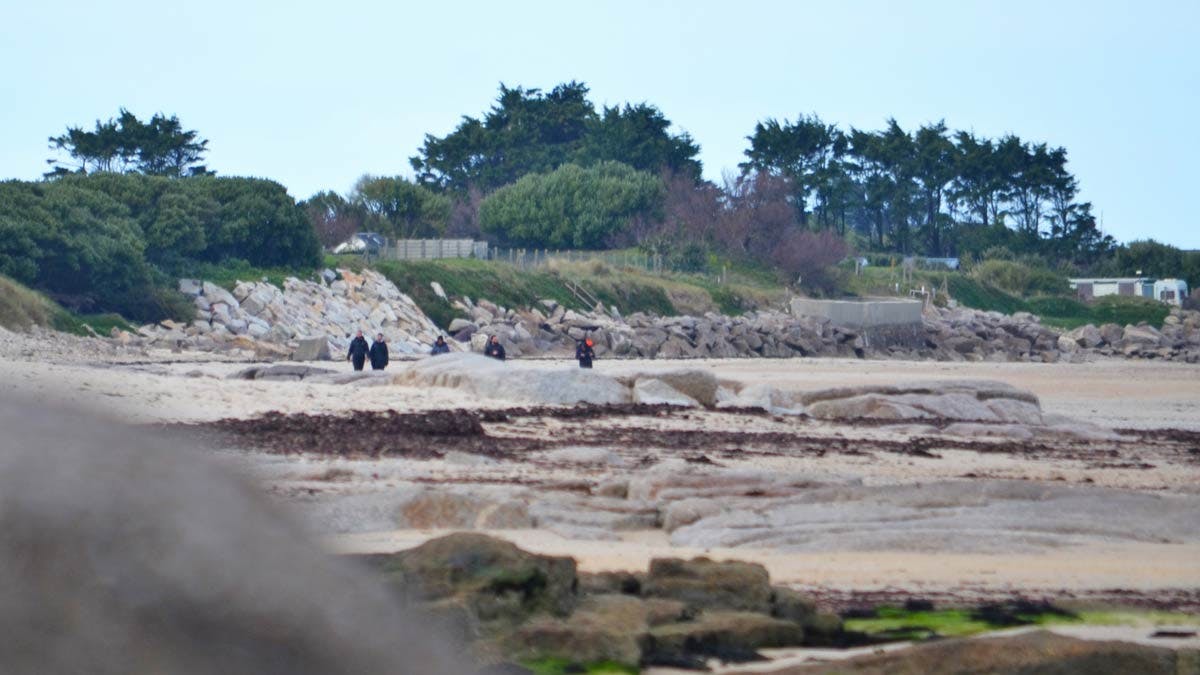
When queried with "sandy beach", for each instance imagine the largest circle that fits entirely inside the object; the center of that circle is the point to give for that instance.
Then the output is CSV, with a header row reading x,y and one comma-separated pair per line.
x,y
168,388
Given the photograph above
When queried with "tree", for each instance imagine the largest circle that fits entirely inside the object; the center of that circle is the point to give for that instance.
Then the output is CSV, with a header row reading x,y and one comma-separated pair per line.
x,y
806,257
334,218
805,151
126,144
399,208
761,212
572,206
1031,186
530,131
978,185
934,167
526,131
639,135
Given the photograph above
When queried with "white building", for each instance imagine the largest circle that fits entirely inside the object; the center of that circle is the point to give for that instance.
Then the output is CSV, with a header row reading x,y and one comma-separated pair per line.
x,y
1171,291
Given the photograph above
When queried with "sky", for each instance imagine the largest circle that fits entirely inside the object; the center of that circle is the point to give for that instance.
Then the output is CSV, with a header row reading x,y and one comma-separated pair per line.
x,y
315,94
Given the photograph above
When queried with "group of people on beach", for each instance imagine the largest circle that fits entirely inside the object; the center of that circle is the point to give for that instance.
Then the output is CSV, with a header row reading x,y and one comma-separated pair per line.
x,y
377,352
359,352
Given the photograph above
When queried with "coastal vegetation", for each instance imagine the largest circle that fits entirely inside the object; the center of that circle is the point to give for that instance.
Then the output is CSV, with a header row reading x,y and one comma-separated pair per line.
x,y
131,205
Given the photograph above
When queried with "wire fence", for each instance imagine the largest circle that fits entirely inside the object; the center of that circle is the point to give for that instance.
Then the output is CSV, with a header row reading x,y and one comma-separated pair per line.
x,y
523,258
535,258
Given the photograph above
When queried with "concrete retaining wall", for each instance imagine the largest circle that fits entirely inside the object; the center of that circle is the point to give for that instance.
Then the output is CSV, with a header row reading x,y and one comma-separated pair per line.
x,y
880,323
861,313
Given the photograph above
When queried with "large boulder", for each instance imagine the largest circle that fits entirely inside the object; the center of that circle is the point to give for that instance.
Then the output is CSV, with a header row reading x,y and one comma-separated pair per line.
x,y
1143,336
450,509
484,377
1111,333
653,391
957,400
496,580
699,385
726,635
138,560
707,584
1087,336
312,349
603,628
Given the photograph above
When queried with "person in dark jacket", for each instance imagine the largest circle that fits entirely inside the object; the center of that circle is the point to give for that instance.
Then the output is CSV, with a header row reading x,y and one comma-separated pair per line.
x,y
494,349
585,352
379,353
440,347
358,351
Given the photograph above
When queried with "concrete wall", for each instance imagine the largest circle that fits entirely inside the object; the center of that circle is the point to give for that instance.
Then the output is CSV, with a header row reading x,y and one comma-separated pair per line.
x,y
869,313
880,322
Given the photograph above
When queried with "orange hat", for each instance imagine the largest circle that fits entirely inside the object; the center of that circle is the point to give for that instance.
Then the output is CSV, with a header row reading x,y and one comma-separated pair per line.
x,y
588,342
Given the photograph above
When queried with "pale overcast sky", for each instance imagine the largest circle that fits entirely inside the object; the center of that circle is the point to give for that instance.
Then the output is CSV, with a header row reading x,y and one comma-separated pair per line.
x,y
315,94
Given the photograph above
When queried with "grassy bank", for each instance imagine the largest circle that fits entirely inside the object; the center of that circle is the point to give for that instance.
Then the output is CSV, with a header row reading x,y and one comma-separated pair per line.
x,y
629,290
22,308
1054,310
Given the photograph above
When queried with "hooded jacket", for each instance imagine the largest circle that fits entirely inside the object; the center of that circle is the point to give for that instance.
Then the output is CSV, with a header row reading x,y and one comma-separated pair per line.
x,y
379,355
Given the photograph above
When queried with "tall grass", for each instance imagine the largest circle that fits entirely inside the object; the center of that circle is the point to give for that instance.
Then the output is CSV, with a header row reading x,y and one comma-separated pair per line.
x,y
22,308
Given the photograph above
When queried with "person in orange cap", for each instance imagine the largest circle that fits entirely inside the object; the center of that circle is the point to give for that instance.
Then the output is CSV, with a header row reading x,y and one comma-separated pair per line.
x,y
584,352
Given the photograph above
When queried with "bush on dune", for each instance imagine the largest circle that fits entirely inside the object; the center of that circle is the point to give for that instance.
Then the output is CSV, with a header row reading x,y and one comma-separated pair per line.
x,y
112,242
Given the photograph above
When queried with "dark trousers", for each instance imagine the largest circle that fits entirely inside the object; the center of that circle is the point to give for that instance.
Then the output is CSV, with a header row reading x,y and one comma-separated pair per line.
x,y
358,362
585,363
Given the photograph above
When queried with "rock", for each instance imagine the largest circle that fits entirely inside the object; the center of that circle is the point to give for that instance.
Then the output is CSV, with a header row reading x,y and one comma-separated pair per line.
x,y
962,400
602,583
1014,411
285,373
446,509
706,584
191,286
216,294
729,636
1016,432
603,628
698,385
312,349
497,580
657,392
1087,336
438,290
457,325
1033,652
792,605
1111,333
485,377
1067,344
154,558
583,455
1142,336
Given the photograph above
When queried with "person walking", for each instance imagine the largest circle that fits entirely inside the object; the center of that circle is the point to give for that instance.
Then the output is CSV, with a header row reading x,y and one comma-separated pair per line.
x,y
358,351
494,349
585,352
379,353
439,347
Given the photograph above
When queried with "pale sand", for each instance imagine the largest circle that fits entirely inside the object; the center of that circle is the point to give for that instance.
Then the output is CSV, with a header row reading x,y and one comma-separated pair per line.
x,y
1109,393
1142,567
1112,393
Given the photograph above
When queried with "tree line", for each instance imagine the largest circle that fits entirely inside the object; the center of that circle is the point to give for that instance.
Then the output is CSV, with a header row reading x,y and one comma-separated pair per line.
x,y
930,191
913,192
548,169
